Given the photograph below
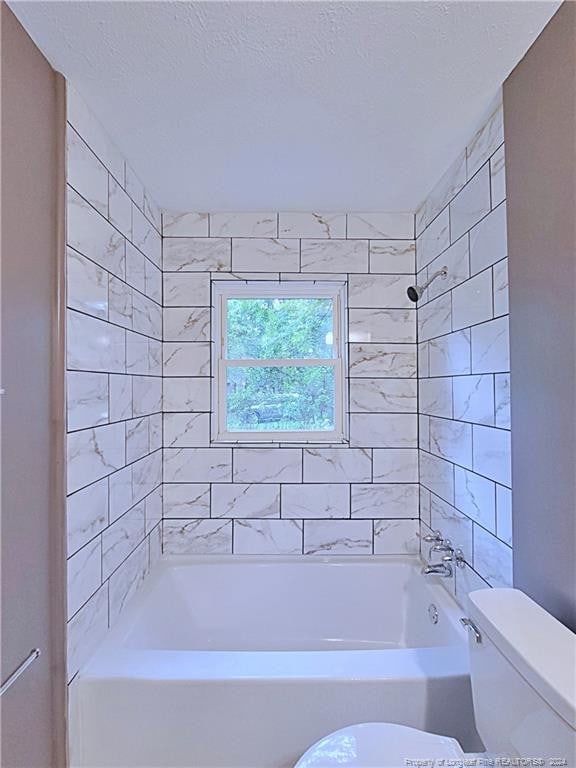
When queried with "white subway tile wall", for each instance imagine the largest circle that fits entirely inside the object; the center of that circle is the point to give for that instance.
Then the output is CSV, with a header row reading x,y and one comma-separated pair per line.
x,y
463,374
114,382
280,498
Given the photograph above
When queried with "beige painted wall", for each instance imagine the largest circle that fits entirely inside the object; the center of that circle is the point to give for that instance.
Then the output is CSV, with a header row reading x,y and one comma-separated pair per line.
x,y
33,121
540,132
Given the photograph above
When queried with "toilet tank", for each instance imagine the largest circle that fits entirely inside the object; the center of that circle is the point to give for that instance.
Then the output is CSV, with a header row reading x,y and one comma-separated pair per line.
x,y
523,679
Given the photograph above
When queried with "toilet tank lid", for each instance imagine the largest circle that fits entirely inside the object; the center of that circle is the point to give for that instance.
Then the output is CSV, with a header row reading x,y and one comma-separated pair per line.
x,y
541,649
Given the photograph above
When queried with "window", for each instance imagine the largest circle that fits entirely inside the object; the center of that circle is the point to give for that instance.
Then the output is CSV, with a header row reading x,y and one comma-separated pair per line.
x,y
280,361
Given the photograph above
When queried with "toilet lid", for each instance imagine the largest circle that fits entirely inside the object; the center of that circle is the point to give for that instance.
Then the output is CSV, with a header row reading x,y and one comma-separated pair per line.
x,y
378,745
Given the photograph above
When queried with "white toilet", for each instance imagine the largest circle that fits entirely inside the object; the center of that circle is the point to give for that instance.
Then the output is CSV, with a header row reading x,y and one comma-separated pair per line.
x,y
523,670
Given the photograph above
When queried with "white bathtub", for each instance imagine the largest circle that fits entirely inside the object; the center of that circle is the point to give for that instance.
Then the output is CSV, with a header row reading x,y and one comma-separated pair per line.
x,y
245,662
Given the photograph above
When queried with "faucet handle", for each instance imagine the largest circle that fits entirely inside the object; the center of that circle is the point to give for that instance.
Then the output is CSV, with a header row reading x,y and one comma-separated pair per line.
x,y
433,538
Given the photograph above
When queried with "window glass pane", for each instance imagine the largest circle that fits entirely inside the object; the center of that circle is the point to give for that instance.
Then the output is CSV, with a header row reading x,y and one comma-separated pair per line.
x,y
275,398
265,329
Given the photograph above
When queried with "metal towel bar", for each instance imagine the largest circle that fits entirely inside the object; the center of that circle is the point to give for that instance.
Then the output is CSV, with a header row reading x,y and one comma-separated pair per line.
x,y
32,656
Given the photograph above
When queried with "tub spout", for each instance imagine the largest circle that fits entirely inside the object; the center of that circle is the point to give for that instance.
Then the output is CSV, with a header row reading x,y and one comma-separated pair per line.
x,y
439,569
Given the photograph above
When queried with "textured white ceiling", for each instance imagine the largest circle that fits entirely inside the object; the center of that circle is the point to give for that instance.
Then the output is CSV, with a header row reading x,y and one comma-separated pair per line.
x,y
286,105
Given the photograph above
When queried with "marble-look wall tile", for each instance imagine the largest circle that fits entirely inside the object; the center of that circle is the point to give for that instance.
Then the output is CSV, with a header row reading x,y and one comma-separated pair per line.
x,y
120,396
93,454
267,465
456,261
502,400
245,500
305,501
384,430
145,237
249,225
445,190
472,301
383,395
472,469
500,287
186,395
94,345
186,289
197,465
265,255
423,360
186,500
121,538
86,630
87,399
152,281
267,537
186,430
386,226
425,499
338,537
186,324
396,537
119,208
87,285
135,268
395,465
488,240
453,525
334,256
474,399
435,318
86,174
450,355
125,582
86,514
435,397
146,316
476,497
120,303
492,559
120,493
492,457
424,432
393,257
153,509
186,358
437,475
147,393
382,360
185,224
337,465
498,176
396,500
471,204
381,326
91,235
316,225
491,347
191,254
433,240
451,440
84,574
137,439
504,514
373,291
488,137
197,537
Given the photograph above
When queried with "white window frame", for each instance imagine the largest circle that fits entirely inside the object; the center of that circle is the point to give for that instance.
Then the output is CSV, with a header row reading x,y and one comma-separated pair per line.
x,y
221,292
